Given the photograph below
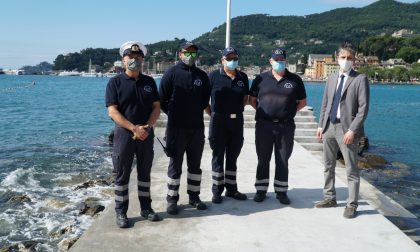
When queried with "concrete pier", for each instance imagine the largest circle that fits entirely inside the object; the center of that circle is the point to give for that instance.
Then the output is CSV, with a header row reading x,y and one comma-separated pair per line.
x,y
247,225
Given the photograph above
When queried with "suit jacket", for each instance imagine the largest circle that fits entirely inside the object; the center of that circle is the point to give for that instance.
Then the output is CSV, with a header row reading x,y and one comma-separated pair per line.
x,y
354,103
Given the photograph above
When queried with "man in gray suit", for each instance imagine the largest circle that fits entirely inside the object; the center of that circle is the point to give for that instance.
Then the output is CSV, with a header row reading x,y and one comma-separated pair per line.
x,y
344,109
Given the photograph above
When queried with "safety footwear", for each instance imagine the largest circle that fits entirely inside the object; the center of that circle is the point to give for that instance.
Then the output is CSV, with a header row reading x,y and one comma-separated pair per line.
x,y
216,199
326,203
259,197
236,195
198,204
122,220
349,212
282,197
172,209
150,215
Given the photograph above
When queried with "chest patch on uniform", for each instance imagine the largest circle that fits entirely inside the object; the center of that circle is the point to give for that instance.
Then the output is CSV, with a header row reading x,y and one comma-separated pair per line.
x,y
288,85
240,84
148,89
198,82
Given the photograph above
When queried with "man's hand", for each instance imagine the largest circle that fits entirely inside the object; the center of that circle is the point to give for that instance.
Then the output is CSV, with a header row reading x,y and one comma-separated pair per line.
x,y
319,133
348,137
141,132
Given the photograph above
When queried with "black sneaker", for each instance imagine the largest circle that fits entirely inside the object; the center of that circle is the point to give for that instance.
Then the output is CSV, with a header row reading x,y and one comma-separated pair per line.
x,y
216,199
198,204
326,203
236,195
122,220
172,209
282,197
259,196
150,215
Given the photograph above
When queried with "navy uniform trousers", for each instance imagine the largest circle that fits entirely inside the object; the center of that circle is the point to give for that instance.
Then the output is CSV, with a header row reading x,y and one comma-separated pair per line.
x,y
280,135
178,142
226,136
122,157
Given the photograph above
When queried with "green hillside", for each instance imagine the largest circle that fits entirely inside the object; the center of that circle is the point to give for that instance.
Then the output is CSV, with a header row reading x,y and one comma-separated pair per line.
x,y
255,35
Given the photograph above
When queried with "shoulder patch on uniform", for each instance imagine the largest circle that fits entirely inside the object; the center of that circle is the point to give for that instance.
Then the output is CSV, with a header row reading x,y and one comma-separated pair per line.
x,y
288,85
240,83
198,82
148,88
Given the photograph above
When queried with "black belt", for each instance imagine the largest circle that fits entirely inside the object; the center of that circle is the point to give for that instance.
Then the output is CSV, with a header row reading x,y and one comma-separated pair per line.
x,y
336,121
276,120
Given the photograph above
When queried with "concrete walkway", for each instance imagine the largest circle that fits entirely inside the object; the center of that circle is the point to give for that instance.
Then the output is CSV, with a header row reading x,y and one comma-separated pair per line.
x,y
247,225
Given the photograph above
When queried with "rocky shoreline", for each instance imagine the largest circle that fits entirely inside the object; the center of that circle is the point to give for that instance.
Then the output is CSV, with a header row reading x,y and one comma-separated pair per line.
x,y
92,206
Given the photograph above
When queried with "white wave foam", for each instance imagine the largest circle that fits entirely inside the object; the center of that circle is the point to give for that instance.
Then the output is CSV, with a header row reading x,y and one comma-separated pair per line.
x,y
13,178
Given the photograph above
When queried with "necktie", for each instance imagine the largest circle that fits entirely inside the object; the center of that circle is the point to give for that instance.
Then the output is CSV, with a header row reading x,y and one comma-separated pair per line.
x,y
336,100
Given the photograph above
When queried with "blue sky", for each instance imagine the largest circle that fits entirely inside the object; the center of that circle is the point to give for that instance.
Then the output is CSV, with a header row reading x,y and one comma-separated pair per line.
x,y
34,31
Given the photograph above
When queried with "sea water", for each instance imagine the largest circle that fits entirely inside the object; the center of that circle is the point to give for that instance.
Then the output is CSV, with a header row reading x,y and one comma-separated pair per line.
x,y
54,136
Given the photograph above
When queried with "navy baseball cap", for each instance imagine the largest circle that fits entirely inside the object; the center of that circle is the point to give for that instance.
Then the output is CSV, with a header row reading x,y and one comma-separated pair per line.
x,y
278,53
228,51
188,44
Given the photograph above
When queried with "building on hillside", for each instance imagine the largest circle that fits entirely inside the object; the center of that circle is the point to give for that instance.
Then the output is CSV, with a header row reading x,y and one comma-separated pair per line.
x,y
330,68
404,33
362,61
313,57
291,68
391,63
310,73
161,67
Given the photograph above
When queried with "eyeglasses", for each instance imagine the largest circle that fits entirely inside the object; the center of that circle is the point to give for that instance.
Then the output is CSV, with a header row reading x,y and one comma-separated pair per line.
x,y
230,59
192,54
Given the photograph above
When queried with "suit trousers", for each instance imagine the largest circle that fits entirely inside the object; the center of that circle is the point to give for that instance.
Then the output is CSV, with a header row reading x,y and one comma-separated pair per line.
x,y
333,141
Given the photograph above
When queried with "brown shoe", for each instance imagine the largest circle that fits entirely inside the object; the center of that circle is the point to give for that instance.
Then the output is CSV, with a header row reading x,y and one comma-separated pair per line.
x,y
349,212
326,203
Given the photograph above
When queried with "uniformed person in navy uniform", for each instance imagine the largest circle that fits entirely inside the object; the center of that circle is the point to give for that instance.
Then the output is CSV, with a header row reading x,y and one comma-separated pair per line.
x,y
276,95
184,94
229,94
133,104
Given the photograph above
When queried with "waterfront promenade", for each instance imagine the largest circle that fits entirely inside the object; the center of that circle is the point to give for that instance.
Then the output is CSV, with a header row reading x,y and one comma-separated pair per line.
x,y
247,225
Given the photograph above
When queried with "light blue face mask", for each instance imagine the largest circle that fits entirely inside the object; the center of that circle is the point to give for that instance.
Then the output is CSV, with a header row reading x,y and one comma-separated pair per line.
x,y
231,65
278,66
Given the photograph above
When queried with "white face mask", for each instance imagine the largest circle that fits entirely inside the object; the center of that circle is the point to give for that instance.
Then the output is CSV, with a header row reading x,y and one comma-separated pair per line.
x,y
345,65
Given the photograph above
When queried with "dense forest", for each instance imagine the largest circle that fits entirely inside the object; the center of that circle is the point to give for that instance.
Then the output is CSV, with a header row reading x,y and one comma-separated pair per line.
x,y
255,35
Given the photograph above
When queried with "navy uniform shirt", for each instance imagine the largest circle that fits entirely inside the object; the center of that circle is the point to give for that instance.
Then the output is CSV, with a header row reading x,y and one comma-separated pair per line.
x,y
277,99
184,94
227,95
134,98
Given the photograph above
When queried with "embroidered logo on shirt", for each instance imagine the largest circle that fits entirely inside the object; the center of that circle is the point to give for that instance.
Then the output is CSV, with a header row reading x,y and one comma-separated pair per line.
x,y
240,84
198,82
288,85
148,89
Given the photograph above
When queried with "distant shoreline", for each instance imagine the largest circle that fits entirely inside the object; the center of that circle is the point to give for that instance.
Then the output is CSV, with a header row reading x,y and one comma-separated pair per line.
x,y
373,82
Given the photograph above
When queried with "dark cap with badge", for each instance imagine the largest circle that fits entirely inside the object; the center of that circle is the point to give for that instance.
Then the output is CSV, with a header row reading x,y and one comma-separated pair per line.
x,y
188,44
228,51
278,53
133,47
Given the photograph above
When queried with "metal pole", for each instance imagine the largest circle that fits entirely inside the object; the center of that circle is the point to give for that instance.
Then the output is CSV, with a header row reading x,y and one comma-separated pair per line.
x,y
228,24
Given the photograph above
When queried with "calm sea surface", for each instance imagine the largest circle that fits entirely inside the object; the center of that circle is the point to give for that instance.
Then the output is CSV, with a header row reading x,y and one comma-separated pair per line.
x,y
54,137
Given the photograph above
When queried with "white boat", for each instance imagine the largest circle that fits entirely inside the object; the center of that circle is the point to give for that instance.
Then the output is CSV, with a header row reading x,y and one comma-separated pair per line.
x,y
109,75
69,73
